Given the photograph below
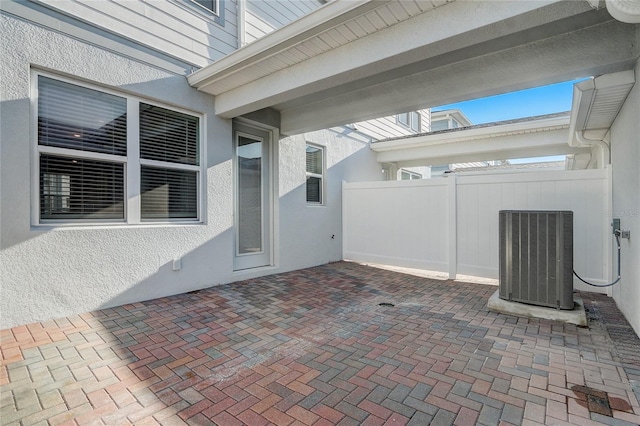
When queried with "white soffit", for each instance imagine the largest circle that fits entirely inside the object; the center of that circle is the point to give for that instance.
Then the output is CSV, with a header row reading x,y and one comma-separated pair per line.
x,y
335,24
597,102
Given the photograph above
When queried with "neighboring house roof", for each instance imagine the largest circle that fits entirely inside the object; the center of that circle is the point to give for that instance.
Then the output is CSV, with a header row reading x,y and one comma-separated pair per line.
x,y
456,114
524,137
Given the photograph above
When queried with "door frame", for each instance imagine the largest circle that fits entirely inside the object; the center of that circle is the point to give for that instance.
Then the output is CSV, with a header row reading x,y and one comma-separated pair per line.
x,y
270,226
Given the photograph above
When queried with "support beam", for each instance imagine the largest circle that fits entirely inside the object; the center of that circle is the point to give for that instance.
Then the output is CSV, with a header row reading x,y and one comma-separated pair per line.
x,y
529,144
603,48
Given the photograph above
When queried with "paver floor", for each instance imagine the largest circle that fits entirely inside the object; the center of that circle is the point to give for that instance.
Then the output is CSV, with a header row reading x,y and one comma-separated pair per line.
x,y
315,347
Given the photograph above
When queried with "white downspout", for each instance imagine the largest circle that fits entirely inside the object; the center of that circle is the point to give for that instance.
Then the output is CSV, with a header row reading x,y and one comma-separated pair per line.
x,y
242,7
605,151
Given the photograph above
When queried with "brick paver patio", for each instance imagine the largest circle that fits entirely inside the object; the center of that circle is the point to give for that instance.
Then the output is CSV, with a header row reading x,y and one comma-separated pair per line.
x,y
315,347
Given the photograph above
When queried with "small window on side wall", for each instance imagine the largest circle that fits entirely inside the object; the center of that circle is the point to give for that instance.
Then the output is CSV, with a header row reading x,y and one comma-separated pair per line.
x,y
315,174
409,175
410,120
211,5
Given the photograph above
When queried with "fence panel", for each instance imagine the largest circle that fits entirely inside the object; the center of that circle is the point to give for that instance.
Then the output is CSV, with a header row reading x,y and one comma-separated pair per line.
x,y
451,225
400,223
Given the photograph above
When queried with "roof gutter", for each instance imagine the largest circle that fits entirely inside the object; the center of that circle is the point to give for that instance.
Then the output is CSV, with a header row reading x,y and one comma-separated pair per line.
x,y
596,104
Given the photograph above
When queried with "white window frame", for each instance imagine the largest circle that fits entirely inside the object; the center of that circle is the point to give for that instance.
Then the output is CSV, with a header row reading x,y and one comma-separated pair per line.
x,y
412,175
132,162
320,176
413,121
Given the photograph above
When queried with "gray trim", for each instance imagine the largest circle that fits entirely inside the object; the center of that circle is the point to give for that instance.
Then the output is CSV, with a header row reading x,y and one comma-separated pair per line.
x,y
53,20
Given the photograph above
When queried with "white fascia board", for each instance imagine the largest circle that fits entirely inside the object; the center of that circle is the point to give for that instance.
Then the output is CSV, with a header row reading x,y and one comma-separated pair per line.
x,y
308,26
497,146
558,149
490,132
429,34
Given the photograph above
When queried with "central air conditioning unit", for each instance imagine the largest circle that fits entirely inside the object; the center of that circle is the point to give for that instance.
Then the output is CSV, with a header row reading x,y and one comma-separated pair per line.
x,y
536,257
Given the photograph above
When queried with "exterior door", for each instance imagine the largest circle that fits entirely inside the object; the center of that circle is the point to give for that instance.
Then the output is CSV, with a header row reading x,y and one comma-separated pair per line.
x,y
252,197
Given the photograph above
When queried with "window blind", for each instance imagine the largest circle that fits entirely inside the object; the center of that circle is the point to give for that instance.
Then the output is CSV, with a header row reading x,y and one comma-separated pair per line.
x,y
168,193
75,117
75,188
168,135
313,189
314,160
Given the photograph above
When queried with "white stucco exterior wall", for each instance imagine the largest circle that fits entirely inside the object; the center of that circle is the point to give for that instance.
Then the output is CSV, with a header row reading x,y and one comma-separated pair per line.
x,y
49,273
625,159
306,230
52,273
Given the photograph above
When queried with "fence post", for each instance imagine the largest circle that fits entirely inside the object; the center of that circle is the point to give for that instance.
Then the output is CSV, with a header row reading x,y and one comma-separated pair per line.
x,y
452,200
343,218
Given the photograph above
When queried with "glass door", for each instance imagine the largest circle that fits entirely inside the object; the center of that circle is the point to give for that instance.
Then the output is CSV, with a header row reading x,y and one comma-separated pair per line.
x,y
252,197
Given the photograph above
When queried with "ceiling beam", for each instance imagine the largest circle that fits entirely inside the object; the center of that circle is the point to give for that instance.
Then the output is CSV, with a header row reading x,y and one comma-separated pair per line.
x,y
536,144
423,42
607,47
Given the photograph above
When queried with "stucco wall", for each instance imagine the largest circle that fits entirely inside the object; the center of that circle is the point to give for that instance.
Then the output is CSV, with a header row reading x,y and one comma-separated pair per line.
x,y
306,230
48,273
51,273
625,159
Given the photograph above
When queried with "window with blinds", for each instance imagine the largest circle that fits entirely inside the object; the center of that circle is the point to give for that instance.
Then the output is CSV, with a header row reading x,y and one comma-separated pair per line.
x,y
315,173
85,165
75,117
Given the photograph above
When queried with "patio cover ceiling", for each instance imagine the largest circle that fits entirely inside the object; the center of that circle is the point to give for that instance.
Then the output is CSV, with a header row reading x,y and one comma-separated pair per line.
x,y
355,60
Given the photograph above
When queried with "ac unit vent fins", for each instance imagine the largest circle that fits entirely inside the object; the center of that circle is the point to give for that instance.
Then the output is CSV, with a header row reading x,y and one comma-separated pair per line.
x,y
536,257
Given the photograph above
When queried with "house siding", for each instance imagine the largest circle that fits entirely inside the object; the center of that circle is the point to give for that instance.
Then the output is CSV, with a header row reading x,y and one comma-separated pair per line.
x,y
174,27
263,17
388,127
625,157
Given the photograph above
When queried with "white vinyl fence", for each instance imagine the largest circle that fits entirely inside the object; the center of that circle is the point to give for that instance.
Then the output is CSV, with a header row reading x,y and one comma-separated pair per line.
x,y
451,224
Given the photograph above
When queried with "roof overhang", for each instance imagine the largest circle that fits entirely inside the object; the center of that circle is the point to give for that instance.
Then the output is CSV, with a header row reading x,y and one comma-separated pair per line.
x,y
518,139
596,104
354,60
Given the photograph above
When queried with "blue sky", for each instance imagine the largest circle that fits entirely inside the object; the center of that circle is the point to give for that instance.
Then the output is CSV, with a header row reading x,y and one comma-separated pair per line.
x,y
524,103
